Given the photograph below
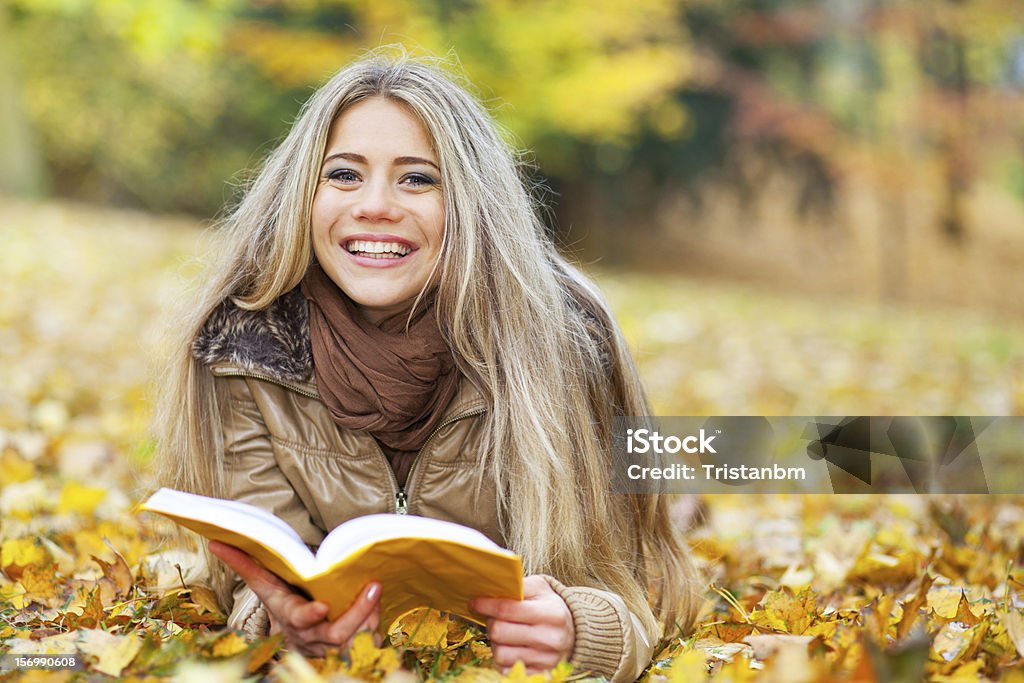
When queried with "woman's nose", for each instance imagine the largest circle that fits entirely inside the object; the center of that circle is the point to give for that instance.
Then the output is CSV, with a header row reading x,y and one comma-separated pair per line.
x,y
377,202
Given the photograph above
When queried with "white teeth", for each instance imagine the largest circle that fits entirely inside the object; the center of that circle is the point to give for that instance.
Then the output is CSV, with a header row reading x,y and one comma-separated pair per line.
x,y
368,247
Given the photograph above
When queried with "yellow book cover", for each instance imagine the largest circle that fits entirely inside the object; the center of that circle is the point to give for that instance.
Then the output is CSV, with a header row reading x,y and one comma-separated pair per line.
x,y
419,562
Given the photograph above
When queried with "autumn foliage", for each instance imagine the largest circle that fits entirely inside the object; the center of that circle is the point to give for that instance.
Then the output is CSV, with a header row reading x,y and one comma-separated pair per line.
x,y
812,588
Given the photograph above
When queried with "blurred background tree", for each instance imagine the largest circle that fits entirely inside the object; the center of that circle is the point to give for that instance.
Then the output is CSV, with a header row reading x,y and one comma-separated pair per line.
x,y
868,147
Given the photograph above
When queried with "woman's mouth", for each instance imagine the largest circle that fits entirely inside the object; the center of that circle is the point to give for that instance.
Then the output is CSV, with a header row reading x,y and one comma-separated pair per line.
x,y
377,250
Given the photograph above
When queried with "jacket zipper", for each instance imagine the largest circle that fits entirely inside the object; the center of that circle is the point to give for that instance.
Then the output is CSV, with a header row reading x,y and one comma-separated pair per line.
x,y
267,378
402,494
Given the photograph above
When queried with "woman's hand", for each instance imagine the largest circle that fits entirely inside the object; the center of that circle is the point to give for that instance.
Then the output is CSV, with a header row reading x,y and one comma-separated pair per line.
x,y
303,622
537,630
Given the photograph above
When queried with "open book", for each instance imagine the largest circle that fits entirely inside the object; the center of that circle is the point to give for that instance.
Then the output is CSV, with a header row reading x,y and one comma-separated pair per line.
x,y
419,562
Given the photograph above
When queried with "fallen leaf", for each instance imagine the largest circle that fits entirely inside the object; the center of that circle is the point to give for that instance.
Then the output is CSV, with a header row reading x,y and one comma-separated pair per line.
x,y
912,608
431,630
15,594
78,499
40,582
368,659
86,610
780,611
689,667
229,644
970,672
112,653
263,652
117,571
18,553
1013,622
14,470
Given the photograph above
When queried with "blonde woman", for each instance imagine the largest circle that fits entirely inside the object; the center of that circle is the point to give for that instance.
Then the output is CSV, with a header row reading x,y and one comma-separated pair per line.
x,y
390,330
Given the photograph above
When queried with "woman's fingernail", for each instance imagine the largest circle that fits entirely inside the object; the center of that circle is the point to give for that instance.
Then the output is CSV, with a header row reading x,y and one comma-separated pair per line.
x,y
373,591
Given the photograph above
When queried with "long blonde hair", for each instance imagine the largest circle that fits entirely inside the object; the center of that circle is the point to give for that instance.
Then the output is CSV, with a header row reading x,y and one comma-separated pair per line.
x,y
525,326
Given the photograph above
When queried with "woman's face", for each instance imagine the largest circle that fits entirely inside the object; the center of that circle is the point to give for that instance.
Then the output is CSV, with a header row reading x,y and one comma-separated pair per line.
x,y
378,212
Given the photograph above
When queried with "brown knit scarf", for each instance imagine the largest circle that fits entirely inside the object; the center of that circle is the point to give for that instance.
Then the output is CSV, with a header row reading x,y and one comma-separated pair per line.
x,y
393,384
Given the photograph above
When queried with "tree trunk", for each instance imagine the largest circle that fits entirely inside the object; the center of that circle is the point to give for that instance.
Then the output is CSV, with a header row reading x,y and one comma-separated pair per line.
x,y
22,170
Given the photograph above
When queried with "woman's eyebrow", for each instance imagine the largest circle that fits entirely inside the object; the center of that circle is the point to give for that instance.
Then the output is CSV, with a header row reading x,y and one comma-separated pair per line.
x,y
399,161
407,161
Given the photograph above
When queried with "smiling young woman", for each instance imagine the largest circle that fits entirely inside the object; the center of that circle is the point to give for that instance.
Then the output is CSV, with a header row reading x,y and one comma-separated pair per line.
x,y
378,213
390,329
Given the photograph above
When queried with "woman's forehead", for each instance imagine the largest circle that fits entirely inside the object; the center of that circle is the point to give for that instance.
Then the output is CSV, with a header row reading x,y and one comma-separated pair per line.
x,y
379,127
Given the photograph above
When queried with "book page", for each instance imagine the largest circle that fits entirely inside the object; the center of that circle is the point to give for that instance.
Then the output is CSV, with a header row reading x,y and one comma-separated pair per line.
x,y
241,519
362,531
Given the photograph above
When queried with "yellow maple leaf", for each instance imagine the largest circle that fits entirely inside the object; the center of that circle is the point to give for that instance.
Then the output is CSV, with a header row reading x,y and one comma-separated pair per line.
x,y
229,644
18,553
951,604
881,568
689,667
431,630
784,612
87,606
40,582
367,658
459,633
14,470
79,499
481,650
15,594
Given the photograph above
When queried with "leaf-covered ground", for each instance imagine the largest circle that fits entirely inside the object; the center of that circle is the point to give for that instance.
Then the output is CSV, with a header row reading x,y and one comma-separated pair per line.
x,y
808,588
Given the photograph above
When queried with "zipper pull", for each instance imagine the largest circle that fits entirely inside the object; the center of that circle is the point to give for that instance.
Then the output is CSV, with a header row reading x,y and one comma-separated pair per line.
x,y
401,504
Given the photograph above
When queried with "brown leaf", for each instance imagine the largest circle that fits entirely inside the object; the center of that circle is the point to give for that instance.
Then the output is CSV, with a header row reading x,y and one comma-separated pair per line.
x,y
40,583
206,600
728,632
880,612
91,615
117,571
178,605
912,608
964,613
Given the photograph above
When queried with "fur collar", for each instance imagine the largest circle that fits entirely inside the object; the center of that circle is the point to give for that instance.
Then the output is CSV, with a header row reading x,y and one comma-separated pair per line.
x,y
274,340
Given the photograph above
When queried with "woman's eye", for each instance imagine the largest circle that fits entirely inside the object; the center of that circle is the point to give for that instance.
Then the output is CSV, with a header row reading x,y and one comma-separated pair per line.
x,y
419,180
343,175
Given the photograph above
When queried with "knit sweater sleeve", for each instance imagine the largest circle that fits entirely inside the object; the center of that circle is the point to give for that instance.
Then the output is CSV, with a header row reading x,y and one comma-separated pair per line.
x,y
611,641
248,614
